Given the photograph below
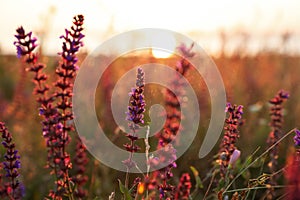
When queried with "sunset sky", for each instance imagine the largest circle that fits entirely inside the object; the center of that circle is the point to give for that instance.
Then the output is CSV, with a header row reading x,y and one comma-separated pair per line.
x,y
197,19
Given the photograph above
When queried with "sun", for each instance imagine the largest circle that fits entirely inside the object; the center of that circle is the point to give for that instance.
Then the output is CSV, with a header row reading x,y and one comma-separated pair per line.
x,y
158,53
165,40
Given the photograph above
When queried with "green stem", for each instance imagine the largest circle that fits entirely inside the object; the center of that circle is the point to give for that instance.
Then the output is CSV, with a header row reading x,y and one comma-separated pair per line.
x,y
210,184
254,188
260,172
264,153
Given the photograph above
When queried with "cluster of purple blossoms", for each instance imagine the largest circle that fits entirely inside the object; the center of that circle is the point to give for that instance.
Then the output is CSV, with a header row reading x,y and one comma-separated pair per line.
x,y
297,138
184,187
276,113
135,117
73,41
167,153
55,108
137,104
12,188
297,144
25,45
167,156
136,109
80,162
173,117
66,73
227,147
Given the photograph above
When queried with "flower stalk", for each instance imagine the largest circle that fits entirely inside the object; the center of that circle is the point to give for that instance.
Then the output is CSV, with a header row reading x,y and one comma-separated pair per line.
x,y
276,113
135,116
227,147
13,187
55,108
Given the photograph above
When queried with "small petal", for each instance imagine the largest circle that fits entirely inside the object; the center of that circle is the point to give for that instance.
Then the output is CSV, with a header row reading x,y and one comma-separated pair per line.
x,y
297,137
234,157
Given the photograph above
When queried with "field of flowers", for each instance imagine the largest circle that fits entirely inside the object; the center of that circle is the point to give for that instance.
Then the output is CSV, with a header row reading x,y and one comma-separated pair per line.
x,y
42,157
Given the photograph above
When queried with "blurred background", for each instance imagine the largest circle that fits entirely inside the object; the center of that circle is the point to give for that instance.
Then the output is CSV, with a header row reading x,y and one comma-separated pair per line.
x,y
217,26
255,44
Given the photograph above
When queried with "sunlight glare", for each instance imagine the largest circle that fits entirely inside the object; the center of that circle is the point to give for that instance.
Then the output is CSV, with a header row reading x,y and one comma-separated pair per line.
x,y
166,40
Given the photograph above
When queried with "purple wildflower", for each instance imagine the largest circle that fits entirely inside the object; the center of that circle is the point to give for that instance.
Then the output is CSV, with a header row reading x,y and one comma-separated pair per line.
x,y
186,51
56,108
171,126
276,114
26,49
58,137
184,187
80,162
66,72
25,44
173,117
297,137
11,165
135,117
167,156
235,156
136,109
137,104
227,147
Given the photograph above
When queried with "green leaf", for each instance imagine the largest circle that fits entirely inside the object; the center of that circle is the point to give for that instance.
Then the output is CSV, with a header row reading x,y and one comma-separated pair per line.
x,y
199,183
124,191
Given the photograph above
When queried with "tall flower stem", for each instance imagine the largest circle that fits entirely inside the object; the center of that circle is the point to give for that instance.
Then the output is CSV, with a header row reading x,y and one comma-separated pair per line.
x,y
135,117
227,147
276,114
80,161
172,124
55,108
183,189
11,165
66,72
